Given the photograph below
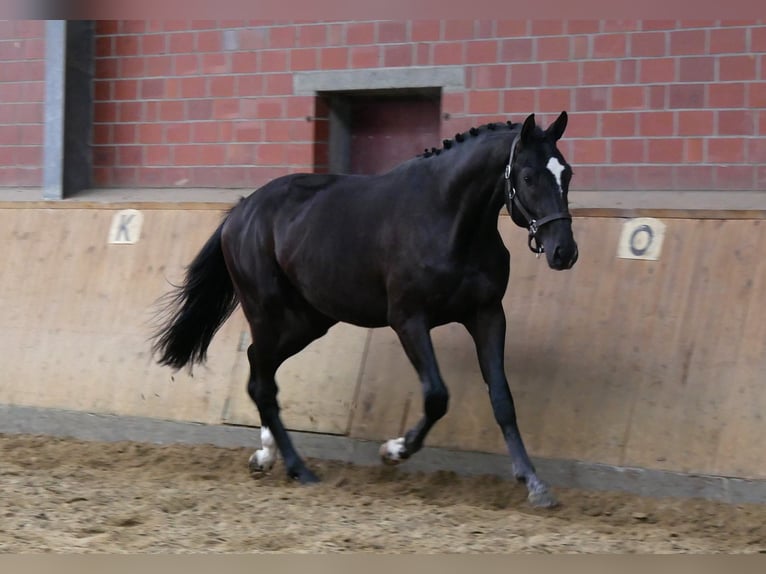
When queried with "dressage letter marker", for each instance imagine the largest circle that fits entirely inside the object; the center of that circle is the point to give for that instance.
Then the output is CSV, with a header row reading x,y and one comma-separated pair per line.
x,y
126,227
641,238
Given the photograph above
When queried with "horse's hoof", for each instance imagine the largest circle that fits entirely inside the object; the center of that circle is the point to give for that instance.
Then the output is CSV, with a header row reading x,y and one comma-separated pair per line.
x,y
260,462
542,498
306,477
392,451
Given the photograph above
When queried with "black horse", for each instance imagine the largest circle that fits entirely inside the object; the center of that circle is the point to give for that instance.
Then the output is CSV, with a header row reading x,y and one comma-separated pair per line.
x,y
414,248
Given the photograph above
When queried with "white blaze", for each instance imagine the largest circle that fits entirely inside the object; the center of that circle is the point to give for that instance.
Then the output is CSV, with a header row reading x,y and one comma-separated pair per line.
x,y
554,166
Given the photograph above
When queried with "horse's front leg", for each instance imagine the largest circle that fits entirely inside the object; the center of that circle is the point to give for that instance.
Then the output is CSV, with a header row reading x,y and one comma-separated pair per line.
x,y
415,337
487,327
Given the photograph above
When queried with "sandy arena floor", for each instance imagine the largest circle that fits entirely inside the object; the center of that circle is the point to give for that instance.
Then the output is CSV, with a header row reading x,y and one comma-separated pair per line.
x,y
66,495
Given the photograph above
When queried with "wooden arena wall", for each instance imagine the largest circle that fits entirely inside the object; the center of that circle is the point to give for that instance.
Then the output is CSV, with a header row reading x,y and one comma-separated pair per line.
x,y
658,364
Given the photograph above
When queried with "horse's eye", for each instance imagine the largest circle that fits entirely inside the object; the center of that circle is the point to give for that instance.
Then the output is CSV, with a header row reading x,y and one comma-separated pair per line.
x,y
527,179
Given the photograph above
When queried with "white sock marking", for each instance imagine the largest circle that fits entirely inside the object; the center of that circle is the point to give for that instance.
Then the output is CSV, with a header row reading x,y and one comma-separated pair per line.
x,y
265,456
554,166
394,448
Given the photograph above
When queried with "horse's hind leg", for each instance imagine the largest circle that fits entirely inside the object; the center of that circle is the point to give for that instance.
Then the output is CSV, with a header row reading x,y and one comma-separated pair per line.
x,y
275,339
416,341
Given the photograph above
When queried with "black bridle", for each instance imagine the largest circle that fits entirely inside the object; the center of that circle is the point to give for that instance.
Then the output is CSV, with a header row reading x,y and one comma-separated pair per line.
x,y
512,200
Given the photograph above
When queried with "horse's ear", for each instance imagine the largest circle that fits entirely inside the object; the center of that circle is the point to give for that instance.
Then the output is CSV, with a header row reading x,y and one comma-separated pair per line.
x,y
527,129
556,129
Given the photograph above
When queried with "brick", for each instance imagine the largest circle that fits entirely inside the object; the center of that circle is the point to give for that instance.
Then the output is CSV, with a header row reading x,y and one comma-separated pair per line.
x,y
153,44
620,125
516,50
312,36
668,150
583,125
172,111
283,37
736,122
250,131
278,84
210,41
687,42
152,89
102,91
628,98
102,134
627,71
728,95
104,156
106,68
656,124
158,66
582,26
425,30
586,177
214,63
756,95
756,150
222,87
240,154
104,112
512,28
484,77
392,32
360,33
599,72
581,47
250,85
182,43
552,48
107,27
270,154
630,151
276,131
758,39
654,177
590,99
728,40
481,52
276,60
133,67
205,132
334,58
610,46
734,177
648,44
484,102
126,46
458,30
697,69
244,62
694,150
424,55
613,177
687,96
590,151
300,154
448,53
254,39
658,97
150,134
397,55
547,27
737,68
724,150
103,48
553,100
130,111
199,109
194,87
526,75
336,35
301,106
178,133
658,24
304,59
658,70
130,155
157,155
124,134
562,73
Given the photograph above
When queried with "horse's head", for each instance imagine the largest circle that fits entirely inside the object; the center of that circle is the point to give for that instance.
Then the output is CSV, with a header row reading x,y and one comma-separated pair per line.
x,y
537,183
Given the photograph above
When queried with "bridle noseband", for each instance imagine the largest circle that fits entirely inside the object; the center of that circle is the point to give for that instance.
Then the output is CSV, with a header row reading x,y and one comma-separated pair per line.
x,y
512,200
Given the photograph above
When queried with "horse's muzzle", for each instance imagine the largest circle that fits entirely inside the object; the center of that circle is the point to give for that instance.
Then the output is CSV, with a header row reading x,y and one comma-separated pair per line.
x,y
563,257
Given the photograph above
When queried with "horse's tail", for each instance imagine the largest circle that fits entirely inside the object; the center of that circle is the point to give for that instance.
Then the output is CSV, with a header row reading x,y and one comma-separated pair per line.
x,y
194,311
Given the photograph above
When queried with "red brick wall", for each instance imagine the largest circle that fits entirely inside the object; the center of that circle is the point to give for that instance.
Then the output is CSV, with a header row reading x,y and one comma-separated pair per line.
x,y
22,93
653,104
